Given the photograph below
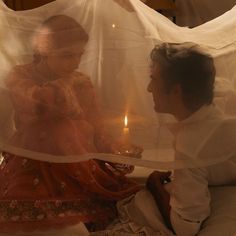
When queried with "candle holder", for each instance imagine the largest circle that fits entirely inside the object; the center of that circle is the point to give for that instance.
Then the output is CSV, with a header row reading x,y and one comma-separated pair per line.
x,y
131,151
124,147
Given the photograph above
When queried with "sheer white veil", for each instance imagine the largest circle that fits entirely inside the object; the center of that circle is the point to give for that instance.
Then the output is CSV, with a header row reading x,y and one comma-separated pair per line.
x,y
116,59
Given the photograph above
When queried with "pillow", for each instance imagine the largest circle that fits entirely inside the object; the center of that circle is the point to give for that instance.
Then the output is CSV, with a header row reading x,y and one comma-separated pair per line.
x,y
222,220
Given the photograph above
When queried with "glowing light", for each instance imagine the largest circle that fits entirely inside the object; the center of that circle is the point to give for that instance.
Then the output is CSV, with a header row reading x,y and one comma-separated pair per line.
x,y
1,159
126,121
126,129
113,26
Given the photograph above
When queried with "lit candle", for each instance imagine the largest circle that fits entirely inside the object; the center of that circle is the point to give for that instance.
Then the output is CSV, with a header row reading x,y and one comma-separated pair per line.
x,y
126,128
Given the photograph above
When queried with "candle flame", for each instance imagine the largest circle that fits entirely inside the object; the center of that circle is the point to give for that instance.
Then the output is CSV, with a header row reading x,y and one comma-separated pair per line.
x,y
126,121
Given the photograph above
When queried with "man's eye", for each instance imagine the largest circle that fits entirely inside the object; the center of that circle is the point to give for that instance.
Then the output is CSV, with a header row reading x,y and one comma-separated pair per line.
x,y
152,78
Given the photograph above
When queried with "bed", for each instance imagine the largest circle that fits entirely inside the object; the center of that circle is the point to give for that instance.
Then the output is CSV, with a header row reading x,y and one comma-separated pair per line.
x,y
223,216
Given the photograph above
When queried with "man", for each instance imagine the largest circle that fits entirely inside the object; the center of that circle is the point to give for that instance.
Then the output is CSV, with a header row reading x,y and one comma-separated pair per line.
x,y
182,84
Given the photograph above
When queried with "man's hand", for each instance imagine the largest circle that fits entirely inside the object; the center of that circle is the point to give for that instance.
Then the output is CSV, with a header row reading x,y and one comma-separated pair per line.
x,y
157,178
155,184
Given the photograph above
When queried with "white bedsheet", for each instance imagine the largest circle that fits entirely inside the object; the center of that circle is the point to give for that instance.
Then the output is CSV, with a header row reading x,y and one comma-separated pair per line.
x,y
222,220
223,216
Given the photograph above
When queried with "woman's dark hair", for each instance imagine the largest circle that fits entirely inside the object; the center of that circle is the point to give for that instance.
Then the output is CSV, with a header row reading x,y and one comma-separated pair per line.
x,y
66,25
57,32
186,65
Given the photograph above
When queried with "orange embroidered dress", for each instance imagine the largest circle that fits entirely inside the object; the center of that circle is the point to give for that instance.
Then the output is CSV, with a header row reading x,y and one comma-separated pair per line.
x,y
59,117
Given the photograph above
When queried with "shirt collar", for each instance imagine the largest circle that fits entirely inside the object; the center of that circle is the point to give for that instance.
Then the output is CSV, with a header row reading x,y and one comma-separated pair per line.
x,y
206,112
201,114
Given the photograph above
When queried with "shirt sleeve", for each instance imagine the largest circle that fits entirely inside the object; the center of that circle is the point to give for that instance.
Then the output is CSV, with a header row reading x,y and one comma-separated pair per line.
x,y
189,200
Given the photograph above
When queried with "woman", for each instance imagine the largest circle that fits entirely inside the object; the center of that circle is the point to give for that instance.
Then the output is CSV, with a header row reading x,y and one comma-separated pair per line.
x,y
56,113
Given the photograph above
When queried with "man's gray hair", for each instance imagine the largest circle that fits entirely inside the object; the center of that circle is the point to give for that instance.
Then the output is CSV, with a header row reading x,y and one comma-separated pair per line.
x,y
188,65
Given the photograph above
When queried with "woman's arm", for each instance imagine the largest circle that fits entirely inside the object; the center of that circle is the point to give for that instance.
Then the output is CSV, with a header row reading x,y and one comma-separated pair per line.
x,y
89,103
22,90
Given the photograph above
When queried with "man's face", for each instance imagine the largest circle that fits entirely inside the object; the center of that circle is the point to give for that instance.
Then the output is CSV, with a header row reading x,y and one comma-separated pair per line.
x,y
156,86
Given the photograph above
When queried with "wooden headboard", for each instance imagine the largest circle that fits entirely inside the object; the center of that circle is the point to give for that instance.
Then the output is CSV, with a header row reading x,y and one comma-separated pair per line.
x,y
18,5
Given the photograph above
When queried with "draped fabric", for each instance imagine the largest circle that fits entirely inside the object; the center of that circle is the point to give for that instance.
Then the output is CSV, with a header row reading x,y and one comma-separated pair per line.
x,y
116,59
193,13
69,73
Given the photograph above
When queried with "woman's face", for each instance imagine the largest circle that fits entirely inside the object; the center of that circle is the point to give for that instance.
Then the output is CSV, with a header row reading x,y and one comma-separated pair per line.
x,y
64,61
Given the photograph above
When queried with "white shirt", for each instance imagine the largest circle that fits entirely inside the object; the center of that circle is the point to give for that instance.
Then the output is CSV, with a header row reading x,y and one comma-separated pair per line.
x,y
189,193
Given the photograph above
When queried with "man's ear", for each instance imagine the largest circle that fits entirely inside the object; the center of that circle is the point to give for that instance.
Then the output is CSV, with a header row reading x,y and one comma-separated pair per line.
x,y
177,90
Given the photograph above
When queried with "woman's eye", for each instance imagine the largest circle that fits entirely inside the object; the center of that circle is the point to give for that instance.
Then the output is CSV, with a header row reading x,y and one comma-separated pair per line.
x,y
67,55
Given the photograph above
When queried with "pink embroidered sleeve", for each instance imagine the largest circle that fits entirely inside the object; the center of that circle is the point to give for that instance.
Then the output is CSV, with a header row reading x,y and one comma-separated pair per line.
x,y
22,91
90,105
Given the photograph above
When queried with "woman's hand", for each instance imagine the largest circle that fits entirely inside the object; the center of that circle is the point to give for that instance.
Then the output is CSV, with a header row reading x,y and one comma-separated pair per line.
x,y
125,149
44,95
123,169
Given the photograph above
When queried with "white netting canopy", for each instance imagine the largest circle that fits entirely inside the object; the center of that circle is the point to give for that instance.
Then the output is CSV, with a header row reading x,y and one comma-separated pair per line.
x,y
113,49
75,113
